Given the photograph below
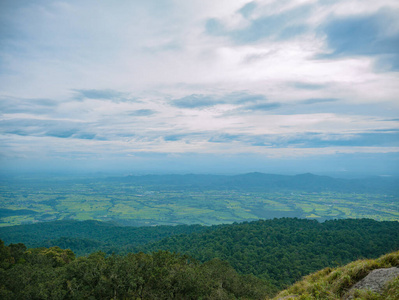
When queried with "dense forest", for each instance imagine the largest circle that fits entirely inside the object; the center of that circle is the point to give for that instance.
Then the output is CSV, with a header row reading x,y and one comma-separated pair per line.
x,y
279,251
84,237
53,273
284,250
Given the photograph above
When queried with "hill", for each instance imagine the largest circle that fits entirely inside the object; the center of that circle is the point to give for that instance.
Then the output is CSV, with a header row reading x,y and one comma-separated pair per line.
x,y
284,250
343,282
84,237
280,251
53,273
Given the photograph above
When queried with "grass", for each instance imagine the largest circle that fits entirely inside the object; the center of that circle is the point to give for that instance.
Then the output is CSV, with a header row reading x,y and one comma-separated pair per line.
x,y
333,284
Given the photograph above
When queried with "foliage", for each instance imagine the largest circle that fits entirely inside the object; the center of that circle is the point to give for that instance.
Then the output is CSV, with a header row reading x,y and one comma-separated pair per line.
x,y
52,273
284,250
280,250
84,237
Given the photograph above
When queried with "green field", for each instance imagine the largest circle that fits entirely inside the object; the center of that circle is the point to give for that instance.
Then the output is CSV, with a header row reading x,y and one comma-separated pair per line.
x,y
30,200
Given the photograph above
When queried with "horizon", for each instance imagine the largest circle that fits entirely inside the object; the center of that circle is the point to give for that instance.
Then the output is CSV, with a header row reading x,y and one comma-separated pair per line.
x,y
73,174
226,87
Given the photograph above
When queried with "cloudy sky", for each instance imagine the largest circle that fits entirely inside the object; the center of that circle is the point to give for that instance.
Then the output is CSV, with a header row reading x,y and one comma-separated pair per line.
x,y
222,86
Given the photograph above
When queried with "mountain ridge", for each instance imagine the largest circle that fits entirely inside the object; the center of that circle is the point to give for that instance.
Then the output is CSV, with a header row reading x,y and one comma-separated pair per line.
x,y
271,182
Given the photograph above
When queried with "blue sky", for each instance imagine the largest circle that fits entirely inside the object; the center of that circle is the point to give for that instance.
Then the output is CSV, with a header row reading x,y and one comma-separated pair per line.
x,y
224,86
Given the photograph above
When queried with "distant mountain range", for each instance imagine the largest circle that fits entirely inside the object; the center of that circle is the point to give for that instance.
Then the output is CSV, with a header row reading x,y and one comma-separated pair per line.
x,y
269,182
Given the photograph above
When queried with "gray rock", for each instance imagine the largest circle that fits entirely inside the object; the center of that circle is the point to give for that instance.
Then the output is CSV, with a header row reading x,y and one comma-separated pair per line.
x,y
375,281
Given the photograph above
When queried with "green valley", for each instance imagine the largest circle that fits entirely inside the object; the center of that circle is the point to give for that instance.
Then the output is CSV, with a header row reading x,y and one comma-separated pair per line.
x,y
195,199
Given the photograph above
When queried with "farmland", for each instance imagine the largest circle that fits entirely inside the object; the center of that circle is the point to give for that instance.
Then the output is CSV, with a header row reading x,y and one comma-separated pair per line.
x,y
135,202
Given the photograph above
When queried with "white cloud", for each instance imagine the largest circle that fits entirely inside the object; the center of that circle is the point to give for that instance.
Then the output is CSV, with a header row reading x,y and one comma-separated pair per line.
x,y
154,52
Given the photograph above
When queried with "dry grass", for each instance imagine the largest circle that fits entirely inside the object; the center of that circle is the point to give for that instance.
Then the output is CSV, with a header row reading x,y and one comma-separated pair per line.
x,y
332,284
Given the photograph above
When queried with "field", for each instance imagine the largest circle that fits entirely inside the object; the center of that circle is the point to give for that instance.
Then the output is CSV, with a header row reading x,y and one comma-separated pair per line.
x,y
25,201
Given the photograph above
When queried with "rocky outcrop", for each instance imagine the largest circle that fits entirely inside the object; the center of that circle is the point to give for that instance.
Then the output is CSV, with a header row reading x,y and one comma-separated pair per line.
x,y
375,281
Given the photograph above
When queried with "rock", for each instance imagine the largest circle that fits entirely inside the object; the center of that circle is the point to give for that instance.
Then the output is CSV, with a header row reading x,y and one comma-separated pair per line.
x,y
375,281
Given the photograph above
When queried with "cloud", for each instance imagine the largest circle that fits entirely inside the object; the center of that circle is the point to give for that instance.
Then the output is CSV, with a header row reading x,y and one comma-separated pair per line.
x,y
103,80
202,101
142,112
293,31
375,35
319,100
86,136
226,138
262,106
366,139
280,26
340,107
46,128
34,106
214,27
307,85
247,10
325,140
196,101
243,97
61,133
311,140
173,137
391,130
107,94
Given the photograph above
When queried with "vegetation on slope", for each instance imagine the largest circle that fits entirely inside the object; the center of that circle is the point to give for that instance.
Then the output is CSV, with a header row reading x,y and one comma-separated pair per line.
x,y
85,237
280,251
53,273
333,284
284,250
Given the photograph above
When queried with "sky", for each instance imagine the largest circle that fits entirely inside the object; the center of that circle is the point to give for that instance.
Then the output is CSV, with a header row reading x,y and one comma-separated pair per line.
x,y
200,86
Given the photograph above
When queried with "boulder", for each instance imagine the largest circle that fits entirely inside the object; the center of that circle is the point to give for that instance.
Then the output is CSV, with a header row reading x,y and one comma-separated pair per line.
x,y
375,281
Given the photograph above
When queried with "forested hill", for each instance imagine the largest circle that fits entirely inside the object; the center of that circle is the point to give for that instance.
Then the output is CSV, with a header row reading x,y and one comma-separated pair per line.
x,y
278,250
268,182
284,250
84,237
54,273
